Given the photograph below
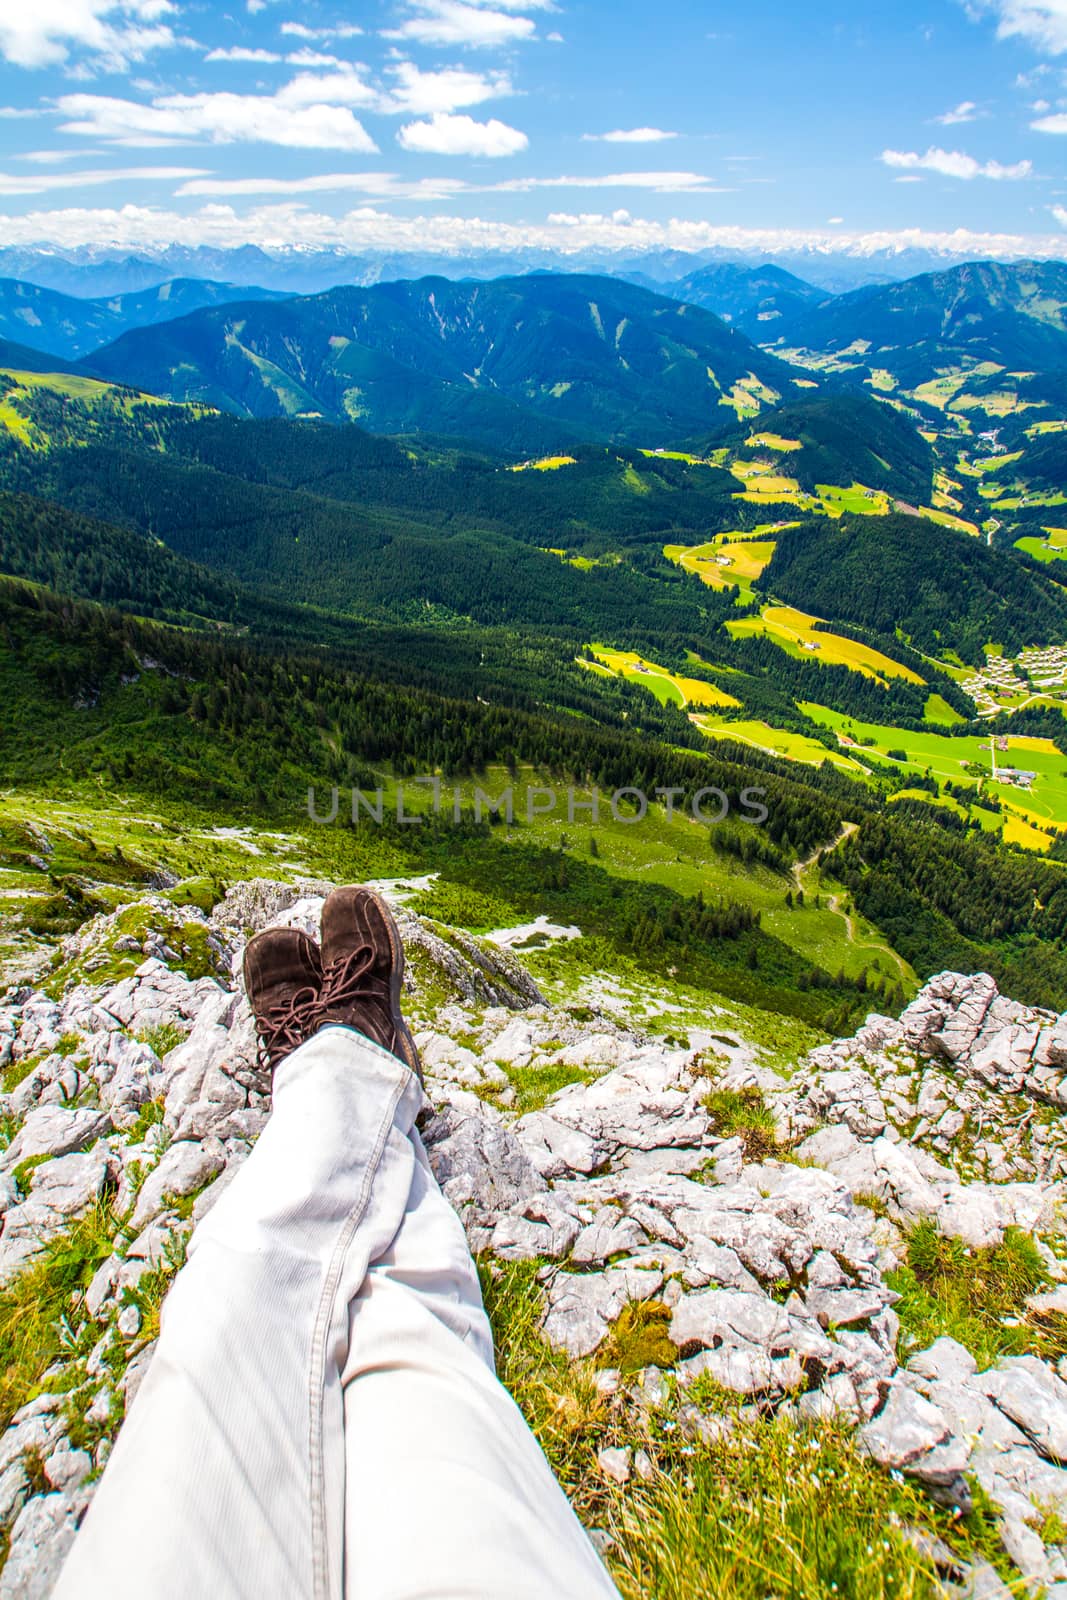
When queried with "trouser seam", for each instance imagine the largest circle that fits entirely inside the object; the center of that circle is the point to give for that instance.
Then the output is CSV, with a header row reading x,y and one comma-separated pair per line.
x,y
319,1338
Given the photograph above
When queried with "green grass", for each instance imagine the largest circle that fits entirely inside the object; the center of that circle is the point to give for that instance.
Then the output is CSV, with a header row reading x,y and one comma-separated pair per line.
x,y
777,1510
164,1038
149,1116
976,1296
1040,550
534,1085
778,742
639,1339
557,1395
33,1303
950,758
743,1113
774,1509
17,1072
937,709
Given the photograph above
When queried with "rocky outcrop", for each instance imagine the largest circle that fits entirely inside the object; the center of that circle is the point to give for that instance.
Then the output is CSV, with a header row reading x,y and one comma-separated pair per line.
x,y
137,1099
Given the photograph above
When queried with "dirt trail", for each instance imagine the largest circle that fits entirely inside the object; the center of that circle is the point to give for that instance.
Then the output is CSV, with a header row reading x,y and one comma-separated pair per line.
x,y
835,902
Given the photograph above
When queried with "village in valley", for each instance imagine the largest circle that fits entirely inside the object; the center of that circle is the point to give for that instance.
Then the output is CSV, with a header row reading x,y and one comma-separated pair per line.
x,y
1036,676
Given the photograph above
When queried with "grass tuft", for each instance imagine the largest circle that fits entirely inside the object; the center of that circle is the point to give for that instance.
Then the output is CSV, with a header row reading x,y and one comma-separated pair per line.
x,y
977,1296
785,1510
164,1038
639,1339
557,1395
33,1304
743,1113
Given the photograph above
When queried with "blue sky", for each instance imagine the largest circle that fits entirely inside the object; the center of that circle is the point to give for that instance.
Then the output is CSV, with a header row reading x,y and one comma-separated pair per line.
x,y
462,125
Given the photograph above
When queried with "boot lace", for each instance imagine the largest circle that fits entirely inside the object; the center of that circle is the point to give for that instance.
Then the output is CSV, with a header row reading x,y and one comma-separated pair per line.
x,y
344,982
282,1028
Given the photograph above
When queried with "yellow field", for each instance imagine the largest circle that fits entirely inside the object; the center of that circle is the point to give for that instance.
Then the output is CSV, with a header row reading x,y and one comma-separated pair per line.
x,y
777,742
721,564
546,464
678,455
15,423
939,391
748,397
795,631
668,687
758,475
772,441
1019,830
947,520
858,500
1004,403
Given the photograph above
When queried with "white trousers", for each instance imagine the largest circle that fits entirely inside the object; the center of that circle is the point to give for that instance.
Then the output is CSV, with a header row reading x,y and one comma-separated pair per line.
x,y
322,1420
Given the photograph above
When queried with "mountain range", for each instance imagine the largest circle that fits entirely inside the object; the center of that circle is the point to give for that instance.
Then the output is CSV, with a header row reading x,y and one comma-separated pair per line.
x,y
67,327
520,364
92,270
754,299
1014,316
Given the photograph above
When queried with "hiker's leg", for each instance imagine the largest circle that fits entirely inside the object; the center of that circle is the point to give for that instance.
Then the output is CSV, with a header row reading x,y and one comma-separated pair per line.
x,y
227,1479
448,1494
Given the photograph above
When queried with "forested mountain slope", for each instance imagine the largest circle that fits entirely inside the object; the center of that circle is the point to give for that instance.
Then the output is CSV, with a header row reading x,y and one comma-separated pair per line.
x,y
518,363
1010,313
944,590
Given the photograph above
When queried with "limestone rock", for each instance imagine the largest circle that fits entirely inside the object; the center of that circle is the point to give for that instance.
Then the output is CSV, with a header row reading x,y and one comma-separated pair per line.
x,y
907,1428
184,1168
581,1306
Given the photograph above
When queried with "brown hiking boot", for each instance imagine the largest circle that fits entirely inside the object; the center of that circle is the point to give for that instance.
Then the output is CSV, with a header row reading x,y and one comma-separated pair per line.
x,y
283,975
363,971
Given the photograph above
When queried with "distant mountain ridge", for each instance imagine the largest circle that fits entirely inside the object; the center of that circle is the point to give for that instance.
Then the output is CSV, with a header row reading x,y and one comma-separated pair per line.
x,y
1014,315
516,363
754,299
834,266
63,326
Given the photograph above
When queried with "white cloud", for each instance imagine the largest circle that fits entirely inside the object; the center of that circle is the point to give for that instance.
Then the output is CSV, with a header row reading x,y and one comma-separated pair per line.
x,y
378,185
456,22
388,186
966,111
1056,123
299,30
446,135
307,114
630,136
1060,213
313,58
112,32
661,182
1042,23
240,52
955,164
52,158
367,228
421,94
45,182
345,86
